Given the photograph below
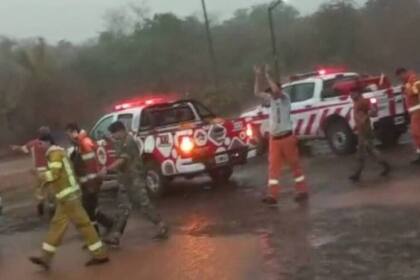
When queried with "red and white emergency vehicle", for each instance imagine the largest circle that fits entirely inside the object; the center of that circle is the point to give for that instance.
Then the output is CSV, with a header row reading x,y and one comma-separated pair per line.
x,y
177,138
322,108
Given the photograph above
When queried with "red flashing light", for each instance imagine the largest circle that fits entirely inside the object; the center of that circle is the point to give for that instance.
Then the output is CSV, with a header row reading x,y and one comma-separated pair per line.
x,y
322,72
187,145
249,131
330,70
138,103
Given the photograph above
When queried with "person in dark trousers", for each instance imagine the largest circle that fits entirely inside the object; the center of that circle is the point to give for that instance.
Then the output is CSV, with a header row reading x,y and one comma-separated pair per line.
x,y
86,167
363,110
131,179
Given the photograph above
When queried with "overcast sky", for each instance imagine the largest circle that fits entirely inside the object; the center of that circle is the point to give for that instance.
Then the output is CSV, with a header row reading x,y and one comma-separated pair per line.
x,y
78,20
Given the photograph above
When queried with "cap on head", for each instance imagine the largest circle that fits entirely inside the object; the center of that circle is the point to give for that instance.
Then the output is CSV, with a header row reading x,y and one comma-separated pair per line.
x,y
45,135
116,127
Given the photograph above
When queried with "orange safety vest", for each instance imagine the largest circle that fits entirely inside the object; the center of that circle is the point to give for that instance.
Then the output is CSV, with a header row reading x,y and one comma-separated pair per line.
x,y
412,93
87,150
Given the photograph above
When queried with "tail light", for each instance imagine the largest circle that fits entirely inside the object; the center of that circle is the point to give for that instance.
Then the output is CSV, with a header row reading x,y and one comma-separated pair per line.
x,y
249,131
373,101
187,145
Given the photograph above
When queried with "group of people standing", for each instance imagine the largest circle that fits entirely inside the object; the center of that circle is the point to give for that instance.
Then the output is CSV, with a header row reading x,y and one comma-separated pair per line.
x,y
283,148
75,181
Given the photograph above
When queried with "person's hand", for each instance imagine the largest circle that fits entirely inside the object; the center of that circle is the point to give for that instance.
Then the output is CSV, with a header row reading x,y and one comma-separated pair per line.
x,y
102,173
267,70
14,148
257,70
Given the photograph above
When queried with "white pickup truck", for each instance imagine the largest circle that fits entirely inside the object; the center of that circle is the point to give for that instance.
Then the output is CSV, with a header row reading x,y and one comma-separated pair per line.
x,y
321,110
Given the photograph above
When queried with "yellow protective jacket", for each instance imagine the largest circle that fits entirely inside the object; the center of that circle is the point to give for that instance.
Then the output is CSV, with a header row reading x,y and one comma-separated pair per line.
x,y
60,175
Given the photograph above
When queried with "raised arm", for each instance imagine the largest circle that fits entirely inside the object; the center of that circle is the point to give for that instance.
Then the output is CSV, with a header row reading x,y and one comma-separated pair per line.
x,y
275,88
257,85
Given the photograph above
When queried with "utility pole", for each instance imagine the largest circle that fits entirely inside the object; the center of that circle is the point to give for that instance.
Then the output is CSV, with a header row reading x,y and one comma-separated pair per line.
x,y
210,43
273,37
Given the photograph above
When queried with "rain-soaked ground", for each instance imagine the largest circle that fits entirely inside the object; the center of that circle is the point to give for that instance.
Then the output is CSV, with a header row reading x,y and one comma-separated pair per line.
x,y
368,231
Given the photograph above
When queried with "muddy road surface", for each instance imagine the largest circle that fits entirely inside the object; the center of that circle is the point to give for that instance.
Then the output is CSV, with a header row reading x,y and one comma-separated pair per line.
x,y
369,230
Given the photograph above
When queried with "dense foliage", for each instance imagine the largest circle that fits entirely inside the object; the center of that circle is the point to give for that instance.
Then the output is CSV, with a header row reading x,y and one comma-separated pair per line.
x,y
138,53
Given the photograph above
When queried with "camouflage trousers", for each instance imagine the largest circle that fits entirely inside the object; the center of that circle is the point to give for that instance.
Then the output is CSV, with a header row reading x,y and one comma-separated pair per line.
x,y
132,193
366,148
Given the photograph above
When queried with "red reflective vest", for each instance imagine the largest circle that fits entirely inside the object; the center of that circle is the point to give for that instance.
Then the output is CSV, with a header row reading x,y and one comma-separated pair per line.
x,y
38,151
87,148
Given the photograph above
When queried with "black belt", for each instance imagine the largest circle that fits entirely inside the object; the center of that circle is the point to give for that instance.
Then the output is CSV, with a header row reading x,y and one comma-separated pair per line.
x,y
290,133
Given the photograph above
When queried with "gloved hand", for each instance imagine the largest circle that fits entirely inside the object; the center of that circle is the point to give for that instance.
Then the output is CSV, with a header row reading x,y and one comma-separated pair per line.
x,y
40,208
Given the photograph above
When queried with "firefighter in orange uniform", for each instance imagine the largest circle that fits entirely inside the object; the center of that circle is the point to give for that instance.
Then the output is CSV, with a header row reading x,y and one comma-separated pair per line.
x,y
283,144
62,182
411,87
86,168
37,149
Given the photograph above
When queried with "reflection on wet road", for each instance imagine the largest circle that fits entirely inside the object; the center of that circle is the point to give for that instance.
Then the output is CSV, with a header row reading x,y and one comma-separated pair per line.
x,y
369,230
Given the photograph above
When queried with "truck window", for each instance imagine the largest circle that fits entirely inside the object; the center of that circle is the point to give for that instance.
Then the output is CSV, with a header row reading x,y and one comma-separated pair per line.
x,y
101,129
166,115
302,92
203,111
328,90
127,120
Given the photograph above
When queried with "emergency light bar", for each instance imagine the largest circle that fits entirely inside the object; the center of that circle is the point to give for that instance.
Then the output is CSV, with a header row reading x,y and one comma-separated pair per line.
x,y
320,71
138,103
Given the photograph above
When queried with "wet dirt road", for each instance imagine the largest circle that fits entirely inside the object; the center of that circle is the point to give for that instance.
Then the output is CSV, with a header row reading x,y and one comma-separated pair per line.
x,y
369,230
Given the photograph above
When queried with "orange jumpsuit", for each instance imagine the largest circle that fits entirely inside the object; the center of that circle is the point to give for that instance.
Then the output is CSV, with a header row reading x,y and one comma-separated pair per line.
x,y
283,146
412,98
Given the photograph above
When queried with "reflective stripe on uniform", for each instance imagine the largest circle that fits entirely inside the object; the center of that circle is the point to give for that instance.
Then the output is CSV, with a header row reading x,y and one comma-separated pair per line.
x,y
49,176
41,169
300,179
95,246
88,177
88,156
49,248
414,108
415,87
273,182
66,192
70,174
55,165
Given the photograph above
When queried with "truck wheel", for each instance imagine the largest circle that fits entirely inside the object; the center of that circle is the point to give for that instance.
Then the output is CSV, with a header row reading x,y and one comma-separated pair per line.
x,y
155,182
341,138
221,175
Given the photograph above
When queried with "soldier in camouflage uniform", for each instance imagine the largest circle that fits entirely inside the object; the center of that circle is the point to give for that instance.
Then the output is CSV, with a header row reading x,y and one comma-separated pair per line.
x,y
129,167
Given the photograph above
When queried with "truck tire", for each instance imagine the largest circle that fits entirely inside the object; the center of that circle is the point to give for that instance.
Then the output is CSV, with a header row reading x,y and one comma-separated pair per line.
x,y
221,175
341,138
156,183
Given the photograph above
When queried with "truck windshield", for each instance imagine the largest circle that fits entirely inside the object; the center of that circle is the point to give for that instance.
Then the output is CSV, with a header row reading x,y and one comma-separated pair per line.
x,y
167,115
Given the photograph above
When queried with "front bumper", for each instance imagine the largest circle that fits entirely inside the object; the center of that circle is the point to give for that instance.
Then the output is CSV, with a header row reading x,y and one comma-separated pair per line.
x,y
201,162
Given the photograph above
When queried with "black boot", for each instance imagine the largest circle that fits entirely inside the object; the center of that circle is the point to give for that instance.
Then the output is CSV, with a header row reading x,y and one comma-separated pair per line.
x,y
40,261
302,197
97,261
162,233
387,169
355,177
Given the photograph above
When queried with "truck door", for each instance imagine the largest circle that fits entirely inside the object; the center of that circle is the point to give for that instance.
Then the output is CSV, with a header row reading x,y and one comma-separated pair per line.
x,y
302,97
